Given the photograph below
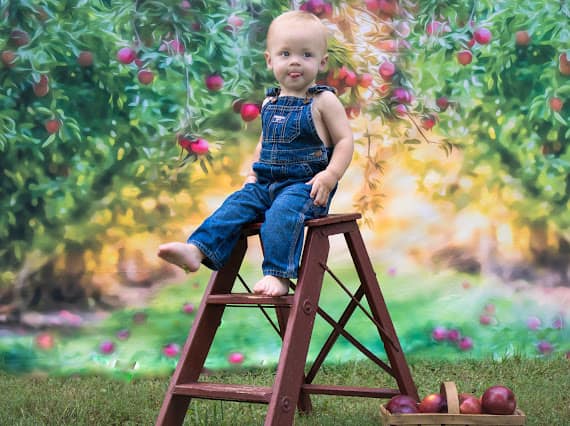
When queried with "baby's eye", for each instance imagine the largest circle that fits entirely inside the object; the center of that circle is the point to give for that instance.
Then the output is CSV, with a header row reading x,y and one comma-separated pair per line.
x,y
285,53
308,54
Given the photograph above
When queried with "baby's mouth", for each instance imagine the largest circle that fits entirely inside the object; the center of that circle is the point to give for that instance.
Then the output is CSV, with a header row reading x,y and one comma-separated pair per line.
x,y
294,74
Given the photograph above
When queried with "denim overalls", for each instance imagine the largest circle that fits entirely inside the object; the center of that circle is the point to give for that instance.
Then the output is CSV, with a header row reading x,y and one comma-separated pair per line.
x,y
291,154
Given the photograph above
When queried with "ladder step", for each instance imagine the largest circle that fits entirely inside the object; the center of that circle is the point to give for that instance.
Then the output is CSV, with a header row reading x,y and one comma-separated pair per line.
x,y
226,392
249,299
350,391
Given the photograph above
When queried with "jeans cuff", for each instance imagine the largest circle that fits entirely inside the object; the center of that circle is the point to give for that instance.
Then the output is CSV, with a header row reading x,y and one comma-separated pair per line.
x,y
210,259
279,274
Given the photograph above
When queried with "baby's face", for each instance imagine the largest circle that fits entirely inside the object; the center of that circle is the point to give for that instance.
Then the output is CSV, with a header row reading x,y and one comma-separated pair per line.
x,y
296,52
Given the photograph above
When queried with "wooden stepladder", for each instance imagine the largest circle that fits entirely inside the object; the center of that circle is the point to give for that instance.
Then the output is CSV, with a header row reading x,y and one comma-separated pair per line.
x,y
296,315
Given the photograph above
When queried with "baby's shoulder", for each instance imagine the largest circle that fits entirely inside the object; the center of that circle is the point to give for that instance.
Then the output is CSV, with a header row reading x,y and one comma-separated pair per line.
x,y
325,96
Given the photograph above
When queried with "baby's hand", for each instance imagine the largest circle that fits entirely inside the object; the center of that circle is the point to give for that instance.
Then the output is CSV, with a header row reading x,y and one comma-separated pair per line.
x,y
323,183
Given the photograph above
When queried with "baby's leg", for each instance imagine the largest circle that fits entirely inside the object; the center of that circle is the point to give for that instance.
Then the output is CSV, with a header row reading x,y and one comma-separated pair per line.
x,y
187,256
272,286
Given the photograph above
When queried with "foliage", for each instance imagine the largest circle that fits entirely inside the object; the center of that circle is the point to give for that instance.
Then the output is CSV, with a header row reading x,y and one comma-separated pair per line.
x,y
515,143
82,140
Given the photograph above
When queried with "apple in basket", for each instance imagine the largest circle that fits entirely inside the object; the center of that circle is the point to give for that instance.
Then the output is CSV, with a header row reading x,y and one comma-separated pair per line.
x,y
402,404
432,403
469,404
498,400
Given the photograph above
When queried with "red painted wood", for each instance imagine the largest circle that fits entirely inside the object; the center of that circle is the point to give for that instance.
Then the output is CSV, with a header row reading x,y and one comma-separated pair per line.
x,y
295,314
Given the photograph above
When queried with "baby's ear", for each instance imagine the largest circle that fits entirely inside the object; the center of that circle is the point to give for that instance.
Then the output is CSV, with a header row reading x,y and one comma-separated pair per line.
x,y
324,63
267,59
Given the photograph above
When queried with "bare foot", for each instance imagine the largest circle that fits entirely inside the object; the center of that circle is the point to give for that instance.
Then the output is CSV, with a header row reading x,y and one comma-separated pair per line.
x,y
272,286
187,256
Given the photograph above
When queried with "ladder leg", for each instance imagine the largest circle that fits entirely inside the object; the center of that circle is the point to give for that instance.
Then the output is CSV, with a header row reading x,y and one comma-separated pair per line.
x,y
380,312
199,341
290,370
304,404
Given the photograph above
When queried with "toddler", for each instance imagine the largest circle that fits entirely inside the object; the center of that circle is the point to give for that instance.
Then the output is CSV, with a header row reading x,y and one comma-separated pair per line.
x,y
305,147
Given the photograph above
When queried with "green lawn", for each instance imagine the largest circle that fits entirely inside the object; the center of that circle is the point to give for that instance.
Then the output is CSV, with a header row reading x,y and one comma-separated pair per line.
x,y
542,388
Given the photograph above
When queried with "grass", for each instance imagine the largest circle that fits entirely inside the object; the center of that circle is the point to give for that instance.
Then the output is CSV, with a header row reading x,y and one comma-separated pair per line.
x,y
542,387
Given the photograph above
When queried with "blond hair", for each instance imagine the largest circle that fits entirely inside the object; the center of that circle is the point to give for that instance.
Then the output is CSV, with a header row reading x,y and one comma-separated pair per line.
x,y
297,17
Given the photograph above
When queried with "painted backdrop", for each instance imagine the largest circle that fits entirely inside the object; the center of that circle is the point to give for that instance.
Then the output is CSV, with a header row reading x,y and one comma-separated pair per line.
x,y
124,123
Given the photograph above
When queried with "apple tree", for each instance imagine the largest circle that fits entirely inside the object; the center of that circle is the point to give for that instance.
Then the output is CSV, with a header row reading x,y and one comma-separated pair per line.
x,y
98,99
499,76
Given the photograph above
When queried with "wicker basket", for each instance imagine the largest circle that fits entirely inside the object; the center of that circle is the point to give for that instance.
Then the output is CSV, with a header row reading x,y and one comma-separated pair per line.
x,y
452,417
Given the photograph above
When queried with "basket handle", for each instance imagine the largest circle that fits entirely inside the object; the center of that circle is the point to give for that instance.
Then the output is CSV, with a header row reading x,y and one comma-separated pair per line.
x,y
449,391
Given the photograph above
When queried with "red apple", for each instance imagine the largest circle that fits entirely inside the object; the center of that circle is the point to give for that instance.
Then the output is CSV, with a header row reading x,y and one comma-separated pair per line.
x,y
185,143
522,38
145,76
236,105
400,110
126,55
465,343
372,5
432,403
107,347
171,350
350,79
464,57
41,88
236,358
52,126
85,59
453,335
45,341
8,58
556,104
439,333
214,82
365,80
235,22
544,347
188,308
498,400
442,103
19,37
564,64
387,70
470,404
401,95
199,146
400,404
388,7
482,35
249,111
429,121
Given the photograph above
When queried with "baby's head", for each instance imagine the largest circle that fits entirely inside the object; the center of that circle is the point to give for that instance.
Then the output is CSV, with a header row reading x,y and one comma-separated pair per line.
x,y
297,21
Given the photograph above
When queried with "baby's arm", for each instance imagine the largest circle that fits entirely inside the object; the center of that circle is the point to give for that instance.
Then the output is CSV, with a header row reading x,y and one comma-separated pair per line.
x,y
338,127
251,175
